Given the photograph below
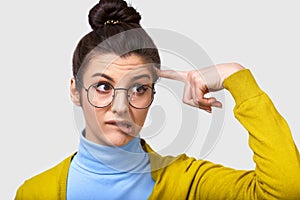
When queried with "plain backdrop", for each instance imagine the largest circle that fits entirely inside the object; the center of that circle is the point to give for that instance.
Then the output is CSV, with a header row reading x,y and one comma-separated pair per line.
x,y
37,41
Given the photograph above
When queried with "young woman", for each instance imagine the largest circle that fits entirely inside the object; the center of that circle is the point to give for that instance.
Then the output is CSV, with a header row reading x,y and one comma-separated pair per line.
x,y
115,68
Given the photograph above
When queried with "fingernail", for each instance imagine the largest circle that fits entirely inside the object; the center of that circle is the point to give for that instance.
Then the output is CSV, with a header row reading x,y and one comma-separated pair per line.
x,y
209,111
216,104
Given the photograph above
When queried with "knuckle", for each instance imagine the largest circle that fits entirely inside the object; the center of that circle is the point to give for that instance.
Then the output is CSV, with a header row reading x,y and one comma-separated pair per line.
x,y
197,99
196,81
194,75
191,75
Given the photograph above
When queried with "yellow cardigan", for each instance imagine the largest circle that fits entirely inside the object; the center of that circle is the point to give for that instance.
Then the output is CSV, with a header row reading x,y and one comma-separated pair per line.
x,y
276,176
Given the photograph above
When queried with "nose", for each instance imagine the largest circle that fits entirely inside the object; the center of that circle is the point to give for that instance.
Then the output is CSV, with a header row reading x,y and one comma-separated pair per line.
x,y
120,102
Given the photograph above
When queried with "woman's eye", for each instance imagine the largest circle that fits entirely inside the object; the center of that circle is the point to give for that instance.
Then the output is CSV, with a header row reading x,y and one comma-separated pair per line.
x,y
139,88
103,87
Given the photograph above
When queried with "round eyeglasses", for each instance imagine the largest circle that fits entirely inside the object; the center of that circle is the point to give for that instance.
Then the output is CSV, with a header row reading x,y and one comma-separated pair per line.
x,y
102,94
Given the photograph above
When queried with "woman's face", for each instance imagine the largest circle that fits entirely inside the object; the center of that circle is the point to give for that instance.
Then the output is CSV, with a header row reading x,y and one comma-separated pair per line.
x,y
118,123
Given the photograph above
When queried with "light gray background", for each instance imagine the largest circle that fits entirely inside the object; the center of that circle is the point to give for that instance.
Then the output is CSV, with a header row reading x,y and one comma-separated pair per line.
x,y
37,41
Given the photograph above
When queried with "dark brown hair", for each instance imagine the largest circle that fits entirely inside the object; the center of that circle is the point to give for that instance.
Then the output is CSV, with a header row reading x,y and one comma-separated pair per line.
x,y
123,36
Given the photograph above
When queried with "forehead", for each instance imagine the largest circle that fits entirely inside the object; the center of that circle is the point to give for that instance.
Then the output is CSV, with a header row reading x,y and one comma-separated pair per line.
x,y
117,67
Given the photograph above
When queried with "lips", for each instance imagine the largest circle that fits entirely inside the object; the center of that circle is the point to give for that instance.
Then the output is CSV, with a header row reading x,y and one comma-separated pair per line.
x,y
123,125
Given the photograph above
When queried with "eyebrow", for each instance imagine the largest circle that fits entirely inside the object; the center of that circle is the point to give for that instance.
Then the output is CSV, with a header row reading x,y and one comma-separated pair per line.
x,y
140,76
105,76
111,79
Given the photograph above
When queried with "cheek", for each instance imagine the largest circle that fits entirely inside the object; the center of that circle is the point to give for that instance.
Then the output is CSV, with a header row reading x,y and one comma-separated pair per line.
x,y
139,116
92,115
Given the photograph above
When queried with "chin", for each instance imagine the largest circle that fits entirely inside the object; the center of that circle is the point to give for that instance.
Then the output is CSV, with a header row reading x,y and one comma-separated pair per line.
x,y
118,139
119,143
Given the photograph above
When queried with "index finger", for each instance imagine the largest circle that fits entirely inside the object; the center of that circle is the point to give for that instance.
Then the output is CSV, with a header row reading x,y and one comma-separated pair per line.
x,y
171,74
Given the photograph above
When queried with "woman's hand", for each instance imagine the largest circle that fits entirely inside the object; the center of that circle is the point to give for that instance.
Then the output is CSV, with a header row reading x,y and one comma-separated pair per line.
x,y
200,82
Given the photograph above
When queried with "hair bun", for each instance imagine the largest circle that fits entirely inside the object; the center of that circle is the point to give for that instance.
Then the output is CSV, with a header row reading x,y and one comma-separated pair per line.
x,y
116,10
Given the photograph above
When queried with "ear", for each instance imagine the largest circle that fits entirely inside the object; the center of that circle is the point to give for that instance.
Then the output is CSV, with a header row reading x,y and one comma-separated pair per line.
x,y
75,94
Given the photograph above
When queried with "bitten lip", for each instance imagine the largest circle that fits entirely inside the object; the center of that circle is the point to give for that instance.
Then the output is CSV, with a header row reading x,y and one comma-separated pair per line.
x,y
119,123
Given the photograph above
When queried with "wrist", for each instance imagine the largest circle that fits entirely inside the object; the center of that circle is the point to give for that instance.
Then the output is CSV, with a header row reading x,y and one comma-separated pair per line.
x,y
226,70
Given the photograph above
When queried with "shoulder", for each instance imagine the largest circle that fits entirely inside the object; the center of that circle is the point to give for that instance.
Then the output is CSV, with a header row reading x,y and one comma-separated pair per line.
x,y
48,184
162,166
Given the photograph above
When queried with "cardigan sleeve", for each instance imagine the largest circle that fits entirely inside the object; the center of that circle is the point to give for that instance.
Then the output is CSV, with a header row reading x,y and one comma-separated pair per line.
x,y
277,171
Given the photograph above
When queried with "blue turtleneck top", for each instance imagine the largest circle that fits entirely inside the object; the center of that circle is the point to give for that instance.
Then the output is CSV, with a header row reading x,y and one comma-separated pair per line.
x,y
109,172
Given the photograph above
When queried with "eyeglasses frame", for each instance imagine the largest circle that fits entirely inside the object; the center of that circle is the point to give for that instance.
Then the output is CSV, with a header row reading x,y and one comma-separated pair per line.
x,y
113,96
